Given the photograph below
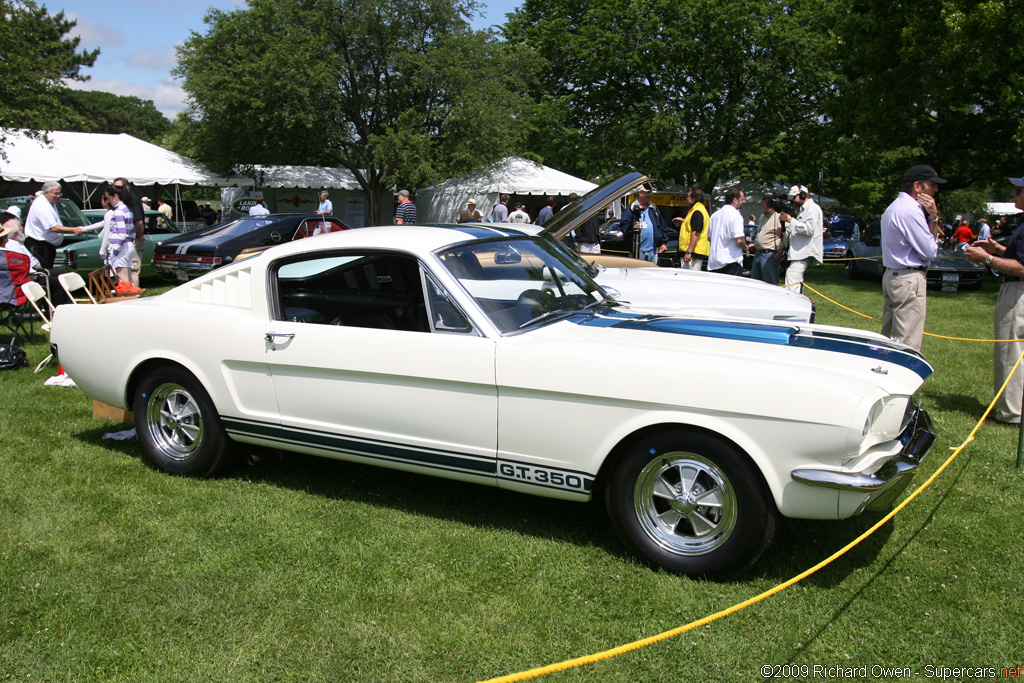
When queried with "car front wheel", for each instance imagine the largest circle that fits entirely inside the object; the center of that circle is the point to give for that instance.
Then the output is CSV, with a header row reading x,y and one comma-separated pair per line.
x,y
851,268
177,424
691,503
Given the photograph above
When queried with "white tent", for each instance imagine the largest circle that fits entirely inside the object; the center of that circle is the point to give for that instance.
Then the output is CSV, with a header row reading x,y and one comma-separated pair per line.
x,y
317,177
85,162
296,189
442,203
99,158
1002,208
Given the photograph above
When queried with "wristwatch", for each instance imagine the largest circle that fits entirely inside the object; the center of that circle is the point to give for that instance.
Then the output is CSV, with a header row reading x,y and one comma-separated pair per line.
x,y
988,261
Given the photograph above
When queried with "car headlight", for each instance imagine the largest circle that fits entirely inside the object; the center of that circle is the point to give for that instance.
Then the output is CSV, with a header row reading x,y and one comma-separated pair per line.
x,y
886,419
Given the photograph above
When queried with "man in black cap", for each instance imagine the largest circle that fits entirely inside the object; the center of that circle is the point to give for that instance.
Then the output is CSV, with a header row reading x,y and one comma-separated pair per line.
x,y
911,233
1008,262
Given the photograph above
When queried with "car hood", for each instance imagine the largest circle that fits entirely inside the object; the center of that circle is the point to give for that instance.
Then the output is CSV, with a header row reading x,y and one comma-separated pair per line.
x,y
574,215
703,294
863,356
954,259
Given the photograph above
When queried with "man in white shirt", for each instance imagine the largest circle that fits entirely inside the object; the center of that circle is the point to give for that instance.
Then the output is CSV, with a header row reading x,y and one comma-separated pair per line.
x,y
727,240
43,231
805,233
258,209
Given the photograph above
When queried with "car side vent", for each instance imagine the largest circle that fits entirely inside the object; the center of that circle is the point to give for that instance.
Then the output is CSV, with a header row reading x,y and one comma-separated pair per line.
x,y
230,289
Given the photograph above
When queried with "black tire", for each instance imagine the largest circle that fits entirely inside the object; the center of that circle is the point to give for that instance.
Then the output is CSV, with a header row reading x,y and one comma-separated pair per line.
x,y
177,424
852,272
660,518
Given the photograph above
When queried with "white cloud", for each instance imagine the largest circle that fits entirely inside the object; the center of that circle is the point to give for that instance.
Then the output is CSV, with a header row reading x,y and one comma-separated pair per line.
x,y
95,35
154,58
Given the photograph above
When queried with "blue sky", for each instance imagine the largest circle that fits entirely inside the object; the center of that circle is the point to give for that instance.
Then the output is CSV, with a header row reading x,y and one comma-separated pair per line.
x,y
136,41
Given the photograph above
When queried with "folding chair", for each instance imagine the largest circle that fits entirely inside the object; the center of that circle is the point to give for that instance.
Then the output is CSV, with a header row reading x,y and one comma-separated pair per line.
x,y
15,316
35,293
16,319
103,287
73,283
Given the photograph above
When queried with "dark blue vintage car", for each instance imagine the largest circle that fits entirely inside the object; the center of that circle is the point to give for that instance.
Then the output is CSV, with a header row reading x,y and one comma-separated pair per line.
x,y
194,253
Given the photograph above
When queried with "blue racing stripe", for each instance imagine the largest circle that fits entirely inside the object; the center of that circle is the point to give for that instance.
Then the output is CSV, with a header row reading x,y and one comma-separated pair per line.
x,y
767,333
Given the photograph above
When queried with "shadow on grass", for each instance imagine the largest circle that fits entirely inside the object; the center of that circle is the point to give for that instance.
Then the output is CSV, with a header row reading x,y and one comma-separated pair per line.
x,y
799,544
822,577
970,406
420,494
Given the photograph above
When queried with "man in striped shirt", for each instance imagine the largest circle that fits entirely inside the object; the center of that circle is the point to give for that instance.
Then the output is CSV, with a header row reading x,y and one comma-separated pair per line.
x,y
405,214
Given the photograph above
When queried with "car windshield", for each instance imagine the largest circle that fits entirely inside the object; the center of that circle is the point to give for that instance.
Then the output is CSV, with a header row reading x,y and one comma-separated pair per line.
x,y
843,227
523,282
159,224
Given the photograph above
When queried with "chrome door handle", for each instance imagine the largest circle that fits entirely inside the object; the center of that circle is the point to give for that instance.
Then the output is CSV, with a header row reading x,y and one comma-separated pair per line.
x,y
270,336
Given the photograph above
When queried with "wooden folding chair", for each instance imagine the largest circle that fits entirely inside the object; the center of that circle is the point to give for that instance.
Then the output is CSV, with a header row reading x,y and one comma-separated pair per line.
x,y
103,287
76,289
35,293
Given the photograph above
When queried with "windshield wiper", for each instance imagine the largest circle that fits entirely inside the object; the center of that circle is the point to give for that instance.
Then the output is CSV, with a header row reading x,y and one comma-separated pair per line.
x,y
546,315
601,303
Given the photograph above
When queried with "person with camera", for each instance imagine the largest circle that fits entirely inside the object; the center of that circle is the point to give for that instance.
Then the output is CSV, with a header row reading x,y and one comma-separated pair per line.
x,y
804,232
768,244
643,227
911,233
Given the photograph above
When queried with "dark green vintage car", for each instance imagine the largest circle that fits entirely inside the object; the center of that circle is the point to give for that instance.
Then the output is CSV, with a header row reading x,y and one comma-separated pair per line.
x,y
84,256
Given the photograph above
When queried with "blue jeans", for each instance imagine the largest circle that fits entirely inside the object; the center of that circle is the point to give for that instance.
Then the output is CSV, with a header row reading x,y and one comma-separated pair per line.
x,y
649,256
765,268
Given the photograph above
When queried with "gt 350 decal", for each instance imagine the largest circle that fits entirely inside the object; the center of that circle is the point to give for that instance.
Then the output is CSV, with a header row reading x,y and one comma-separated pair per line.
x,y
572,481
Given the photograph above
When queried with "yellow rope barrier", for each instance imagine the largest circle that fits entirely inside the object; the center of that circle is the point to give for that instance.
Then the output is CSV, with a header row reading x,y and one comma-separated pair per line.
x,y
636,645
927,334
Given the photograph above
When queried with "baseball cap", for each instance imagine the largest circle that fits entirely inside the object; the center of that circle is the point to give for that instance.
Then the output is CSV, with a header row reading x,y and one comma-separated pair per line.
x,y
798,189
1019,182
14,211
472,201
922,172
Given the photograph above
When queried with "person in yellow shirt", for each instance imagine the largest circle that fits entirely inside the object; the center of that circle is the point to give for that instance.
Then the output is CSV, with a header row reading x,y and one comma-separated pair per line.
x,y
693,233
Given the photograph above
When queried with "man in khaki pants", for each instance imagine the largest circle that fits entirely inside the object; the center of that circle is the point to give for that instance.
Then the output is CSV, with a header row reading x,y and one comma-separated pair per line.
x,y
910,240
1008,262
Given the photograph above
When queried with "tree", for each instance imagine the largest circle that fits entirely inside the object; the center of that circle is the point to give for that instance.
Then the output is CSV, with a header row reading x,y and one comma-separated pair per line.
x,y
942,86
694,90
103,112
399,91
36,58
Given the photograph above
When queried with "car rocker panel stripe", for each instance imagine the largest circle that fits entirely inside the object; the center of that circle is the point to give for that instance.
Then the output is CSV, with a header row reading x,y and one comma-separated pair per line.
x,y
788,335
522,473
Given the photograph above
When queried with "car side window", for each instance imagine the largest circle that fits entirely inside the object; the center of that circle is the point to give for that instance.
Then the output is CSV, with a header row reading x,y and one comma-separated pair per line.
x,y
317,226
445,315
372,289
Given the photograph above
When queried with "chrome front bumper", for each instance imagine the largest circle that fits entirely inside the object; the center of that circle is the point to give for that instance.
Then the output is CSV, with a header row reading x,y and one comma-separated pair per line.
x,y
883,487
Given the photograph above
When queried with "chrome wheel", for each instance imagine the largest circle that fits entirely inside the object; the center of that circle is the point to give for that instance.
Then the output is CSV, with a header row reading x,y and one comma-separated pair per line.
x,y
174,420
685,503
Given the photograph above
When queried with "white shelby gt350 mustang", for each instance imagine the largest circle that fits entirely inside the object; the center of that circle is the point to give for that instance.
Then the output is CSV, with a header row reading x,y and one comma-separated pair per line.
x,y
470,352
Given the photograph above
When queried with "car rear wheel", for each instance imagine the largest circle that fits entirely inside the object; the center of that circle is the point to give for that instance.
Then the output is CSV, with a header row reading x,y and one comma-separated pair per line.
x,y
691,503
852,271
177,424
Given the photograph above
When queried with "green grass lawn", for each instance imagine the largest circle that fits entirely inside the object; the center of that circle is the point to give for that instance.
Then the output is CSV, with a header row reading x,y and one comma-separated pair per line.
x,y
315,570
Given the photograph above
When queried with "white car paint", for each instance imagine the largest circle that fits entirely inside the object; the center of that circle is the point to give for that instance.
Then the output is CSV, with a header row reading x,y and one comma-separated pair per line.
x,y
817,415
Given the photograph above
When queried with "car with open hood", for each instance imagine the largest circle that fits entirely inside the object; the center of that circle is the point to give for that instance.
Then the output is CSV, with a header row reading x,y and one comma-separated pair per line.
x,y
841,232
469,353
666,289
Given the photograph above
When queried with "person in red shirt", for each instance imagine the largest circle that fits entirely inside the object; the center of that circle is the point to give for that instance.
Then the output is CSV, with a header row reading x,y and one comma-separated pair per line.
x,y
963,235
